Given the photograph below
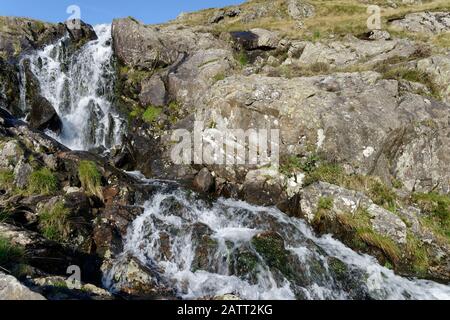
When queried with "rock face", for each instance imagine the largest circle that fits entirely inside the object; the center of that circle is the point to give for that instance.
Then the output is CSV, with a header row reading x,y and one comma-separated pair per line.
x,y
12,289
424,22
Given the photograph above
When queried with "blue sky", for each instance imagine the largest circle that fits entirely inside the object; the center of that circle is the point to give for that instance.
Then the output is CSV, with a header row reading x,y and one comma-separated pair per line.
x,y
103,11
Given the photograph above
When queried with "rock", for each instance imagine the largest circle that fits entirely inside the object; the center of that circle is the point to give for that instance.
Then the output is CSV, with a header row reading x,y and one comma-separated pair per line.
x,y
424,22
22,172
299,9
43,116
132,278
10,154
12,289
353,50
204,181
266,39
81,35
256,39
221,14
205,249
153,92
382,128
57,288
438,67
347,202
379,35
387,224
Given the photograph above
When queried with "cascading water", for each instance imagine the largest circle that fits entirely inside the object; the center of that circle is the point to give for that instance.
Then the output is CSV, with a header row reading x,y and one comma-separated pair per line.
x,y
204,250
80,86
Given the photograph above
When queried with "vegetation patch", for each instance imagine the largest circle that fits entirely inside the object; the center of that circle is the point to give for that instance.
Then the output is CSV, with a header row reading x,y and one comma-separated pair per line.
x,y
42,182
90,178
437,210
54,222
414,75
10,254
6,179
151,114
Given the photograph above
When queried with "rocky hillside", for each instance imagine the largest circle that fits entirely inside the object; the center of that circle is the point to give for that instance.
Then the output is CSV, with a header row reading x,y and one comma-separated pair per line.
x,y
363,118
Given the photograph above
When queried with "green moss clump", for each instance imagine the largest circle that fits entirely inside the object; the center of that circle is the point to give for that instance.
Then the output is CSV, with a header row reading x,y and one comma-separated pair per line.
x,y
9,253
90,178
54,222
151,114
42,182
271,247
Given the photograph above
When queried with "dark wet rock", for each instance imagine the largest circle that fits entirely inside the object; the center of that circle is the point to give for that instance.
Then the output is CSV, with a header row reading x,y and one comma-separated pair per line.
x,y
43,116
204,181
205,248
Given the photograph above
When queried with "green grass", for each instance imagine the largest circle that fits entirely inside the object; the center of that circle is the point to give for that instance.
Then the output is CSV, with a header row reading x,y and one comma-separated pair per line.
x,y
151,114
242,58
360,224
42,182
383,196
9,253
325,203
437,210
54,222
90,178
418,254
6,179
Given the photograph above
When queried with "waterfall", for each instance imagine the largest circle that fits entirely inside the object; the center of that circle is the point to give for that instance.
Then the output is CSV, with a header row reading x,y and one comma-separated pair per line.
x,y
80,86
204,250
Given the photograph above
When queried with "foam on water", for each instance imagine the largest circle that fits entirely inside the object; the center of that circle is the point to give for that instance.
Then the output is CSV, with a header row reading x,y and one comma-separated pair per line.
x,y
233,225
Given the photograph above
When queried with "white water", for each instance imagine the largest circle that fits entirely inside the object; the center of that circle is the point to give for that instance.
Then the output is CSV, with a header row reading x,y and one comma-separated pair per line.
x,y
233,225
80,87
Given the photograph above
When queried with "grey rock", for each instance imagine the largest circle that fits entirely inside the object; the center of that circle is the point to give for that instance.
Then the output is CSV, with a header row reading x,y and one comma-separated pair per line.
x,y
22,172
299,9
12,289
438,67
153,92
424,22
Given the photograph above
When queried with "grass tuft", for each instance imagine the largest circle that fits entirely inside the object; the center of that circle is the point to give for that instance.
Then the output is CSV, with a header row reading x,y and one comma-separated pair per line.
x,y
90,178
9,253
54,222
42,182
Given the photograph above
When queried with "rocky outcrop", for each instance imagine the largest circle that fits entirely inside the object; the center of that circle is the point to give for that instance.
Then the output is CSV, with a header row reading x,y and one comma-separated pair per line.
x,y
424,22
18,35
393,236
